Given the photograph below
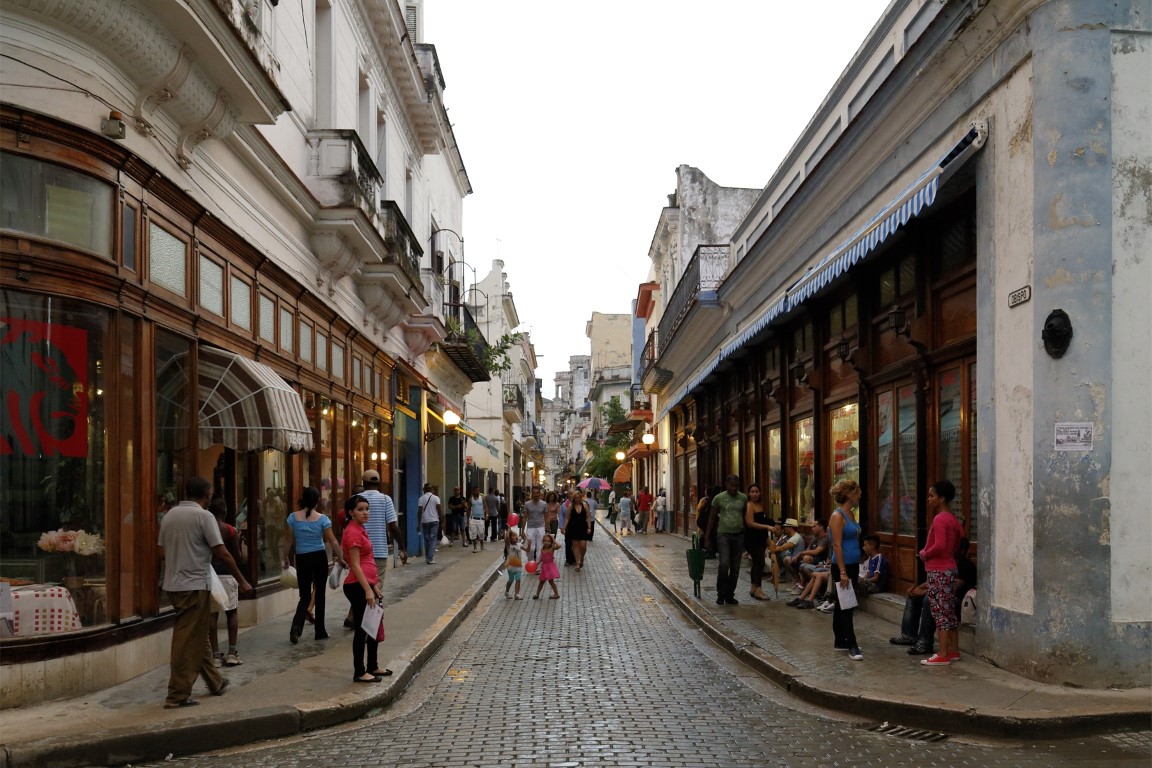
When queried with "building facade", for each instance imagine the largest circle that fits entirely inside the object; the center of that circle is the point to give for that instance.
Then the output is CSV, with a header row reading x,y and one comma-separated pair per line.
x,y
221,253
944,279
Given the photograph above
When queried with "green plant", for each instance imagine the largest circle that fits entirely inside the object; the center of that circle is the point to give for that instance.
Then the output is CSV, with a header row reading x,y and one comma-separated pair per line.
x,y
603,461
495,357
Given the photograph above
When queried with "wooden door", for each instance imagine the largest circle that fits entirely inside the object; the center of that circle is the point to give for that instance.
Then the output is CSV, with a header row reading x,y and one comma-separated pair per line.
x,y
891,506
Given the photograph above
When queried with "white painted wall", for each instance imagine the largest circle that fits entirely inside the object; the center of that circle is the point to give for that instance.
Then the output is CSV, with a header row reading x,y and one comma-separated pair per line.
x,y
1131,419
1010,111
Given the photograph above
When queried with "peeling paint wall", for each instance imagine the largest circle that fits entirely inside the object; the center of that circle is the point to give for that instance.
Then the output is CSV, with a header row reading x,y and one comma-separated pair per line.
x,y
1127,524
1014,330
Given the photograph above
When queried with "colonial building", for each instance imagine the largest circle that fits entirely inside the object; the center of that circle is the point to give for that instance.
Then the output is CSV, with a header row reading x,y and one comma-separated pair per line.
x,y
947,277
225,248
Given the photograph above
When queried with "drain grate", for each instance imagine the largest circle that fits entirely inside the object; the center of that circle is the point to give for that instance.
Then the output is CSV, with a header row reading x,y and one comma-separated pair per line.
x,y
912,734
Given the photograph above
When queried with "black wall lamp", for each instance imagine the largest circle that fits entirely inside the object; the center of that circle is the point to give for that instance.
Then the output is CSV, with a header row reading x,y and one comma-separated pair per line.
x,y
1057,333
898,321
451,419
799,372
843,349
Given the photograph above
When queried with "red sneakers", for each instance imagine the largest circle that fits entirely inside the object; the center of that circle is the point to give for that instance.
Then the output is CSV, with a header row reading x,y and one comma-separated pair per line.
x,y
936,660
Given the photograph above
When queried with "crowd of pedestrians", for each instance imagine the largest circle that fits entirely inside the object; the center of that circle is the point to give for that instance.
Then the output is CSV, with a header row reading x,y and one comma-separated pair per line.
x,y
835,565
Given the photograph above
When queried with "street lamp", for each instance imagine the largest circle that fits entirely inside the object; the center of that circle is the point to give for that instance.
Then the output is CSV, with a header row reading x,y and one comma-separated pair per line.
x,y
620,455
451,420
649,439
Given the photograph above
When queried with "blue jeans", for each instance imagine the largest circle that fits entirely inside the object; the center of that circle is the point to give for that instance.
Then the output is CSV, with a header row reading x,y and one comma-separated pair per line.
x,y
431,533
729,550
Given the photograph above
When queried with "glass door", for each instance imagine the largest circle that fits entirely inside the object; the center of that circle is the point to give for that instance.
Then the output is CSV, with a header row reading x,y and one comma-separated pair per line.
x,y
892,507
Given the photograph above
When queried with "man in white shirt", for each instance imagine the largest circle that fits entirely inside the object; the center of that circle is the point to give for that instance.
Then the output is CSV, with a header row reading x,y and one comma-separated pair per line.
x,y
431,521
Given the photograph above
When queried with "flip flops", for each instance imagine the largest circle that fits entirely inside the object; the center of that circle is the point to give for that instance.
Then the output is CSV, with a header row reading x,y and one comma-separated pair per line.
x,y
182,704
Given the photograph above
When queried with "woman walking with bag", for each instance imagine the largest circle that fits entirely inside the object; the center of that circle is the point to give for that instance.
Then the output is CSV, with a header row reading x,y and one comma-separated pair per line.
x,y
362,588
309,535
845,533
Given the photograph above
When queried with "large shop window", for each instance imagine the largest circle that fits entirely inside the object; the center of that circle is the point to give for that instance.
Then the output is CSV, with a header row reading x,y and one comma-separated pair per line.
x,y
52,471
46,200
896,475
775,476
956,422
844,427
804,480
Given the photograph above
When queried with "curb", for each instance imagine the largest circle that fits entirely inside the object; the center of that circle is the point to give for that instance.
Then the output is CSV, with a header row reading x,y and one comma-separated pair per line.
x,y
126,745
960,720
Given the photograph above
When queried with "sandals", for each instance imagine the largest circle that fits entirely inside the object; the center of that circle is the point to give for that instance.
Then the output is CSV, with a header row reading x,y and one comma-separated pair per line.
x,y
366,679
182,704
381,673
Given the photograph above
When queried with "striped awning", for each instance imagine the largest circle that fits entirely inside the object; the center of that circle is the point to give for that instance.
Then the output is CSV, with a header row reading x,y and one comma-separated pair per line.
x,y
920,194
245,405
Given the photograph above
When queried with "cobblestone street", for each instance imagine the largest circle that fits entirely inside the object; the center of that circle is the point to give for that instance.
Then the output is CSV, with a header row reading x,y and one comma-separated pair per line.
x,y
608,676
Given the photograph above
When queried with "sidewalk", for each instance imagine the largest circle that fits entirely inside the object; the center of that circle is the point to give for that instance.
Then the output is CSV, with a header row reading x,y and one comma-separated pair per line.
x,y
280,690
794,649
285,689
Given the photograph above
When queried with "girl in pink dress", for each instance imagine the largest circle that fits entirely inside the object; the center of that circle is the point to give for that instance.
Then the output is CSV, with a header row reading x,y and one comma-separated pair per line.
x,y
548,570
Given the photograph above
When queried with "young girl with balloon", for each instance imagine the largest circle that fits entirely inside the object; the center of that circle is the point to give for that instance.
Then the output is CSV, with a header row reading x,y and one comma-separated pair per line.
x,y
514,562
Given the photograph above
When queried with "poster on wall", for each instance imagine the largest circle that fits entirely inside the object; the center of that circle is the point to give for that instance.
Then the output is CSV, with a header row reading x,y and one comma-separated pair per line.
x,y
1073,435
43,389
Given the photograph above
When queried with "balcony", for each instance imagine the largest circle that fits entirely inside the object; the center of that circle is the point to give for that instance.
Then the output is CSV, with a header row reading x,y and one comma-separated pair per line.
x,y
513,403
695,292
465,345
652,378
341,173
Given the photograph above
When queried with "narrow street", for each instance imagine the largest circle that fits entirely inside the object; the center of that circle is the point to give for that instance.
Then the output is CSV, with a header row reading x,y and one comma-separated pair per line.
x,y
611,675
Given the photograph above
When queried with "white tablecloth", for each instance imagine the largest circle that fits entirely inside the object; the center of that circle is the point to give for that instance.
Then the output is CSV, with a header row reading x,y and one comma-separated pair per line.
x,y
41,609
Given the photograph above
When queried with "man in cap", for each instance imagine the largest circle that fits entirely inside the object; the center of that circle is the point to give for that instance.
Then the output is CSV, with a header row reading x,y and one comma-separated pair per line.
x,y
381,526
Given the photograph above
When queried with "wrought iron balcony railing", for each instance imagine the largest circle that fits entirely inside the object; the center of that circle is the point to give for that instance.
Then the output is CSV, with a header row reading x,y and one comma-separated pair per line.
x,y
697,285
403,247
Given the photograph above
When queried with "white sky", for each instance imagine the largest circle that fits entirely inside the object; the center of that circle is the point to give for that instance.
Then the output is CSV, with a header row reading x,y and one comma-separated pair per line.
x,y
571,125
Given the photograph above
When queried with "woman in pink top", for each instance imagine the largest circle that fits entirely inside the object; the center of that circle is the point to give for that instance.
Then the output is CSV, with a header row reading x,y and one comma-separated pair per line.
x,y
939,556
362,589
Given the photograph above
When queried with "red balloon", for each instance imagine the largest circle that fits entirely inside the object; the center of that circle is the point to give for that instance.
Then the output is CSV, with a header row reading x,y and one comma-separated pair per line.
x,y
531,567
513,519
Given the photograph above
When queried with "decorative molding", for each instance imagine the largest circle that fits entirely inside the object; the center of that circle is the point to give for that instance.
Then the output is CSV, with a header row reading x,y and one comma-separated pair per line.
x,y
337,260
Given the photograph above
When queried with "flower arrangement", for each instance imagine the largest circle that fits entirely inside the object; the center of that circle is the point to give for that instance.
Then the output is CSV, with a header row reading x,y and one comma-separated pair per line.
x,y
71,544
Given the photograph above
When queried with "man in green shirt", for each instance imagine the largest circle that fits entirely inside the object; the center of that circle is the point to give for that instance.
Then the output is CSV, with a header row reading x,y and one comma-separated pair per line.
x,y
727,519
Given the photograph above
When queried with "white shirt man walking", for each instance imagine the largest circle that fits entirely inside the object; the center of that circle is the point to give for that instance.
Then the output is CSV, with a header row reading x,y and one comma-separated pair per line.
x,y
431,521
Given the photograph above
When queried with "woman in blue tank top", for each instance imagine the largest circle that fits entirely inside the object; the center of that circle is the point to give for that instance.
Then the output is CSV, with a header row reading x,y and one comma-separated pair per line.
x,y
844,531
308,531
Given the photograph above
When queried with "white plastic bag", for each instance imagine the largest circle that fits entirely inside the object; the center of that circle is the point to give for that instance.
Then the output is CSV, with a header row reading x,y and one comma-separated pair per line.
x,y
444,540
219,594
336,575
288,577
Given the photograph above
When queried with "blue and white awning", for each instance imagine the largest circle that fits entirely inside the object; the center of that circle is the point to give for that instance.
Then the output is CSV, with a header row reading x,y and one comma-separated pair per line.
x,y
920,194
916,197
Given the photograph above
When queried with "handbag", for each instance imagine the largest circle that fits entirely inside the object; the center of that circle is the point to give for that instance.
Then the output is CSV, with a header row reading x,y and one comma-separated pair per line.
x,y
218,593
336,575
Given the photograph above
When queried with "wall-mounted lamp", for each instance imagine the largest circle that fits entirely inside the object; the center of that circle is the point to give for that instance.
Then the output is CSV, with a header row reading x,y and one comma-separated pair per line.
x,y
531,465
898,321
620,455
843,349
381,456
649,440
1057,333
114,126
325,406
451,420
799,372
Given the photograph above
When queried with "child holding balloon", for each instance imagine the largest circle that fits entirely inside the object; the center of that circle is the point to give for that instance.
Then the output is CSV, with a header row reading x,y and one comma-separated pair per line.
x,y
513,562
548,570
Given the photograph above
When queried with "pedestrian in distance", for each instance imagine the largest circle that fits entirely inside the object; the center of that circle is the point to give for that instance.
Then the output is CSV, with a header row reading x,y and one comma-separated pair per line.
x,y
757,527
627,510
552,513
491,514
939,556
644,504
579,528
189,539
457,518
534,519
219,508
362,588
476,520
844,530
661,511
431,521
548,571
307,536
513,561
726,522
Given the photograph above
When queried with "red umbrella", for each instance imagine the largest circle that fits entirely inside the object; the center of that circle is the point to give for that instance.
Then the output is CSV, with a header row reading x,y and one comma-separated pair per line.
x,y
594,484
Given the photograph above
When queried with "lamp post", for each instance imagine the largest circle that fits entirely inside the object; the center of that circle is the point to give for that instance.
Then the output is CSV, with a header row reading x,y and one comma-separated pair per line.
x,y
451,421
